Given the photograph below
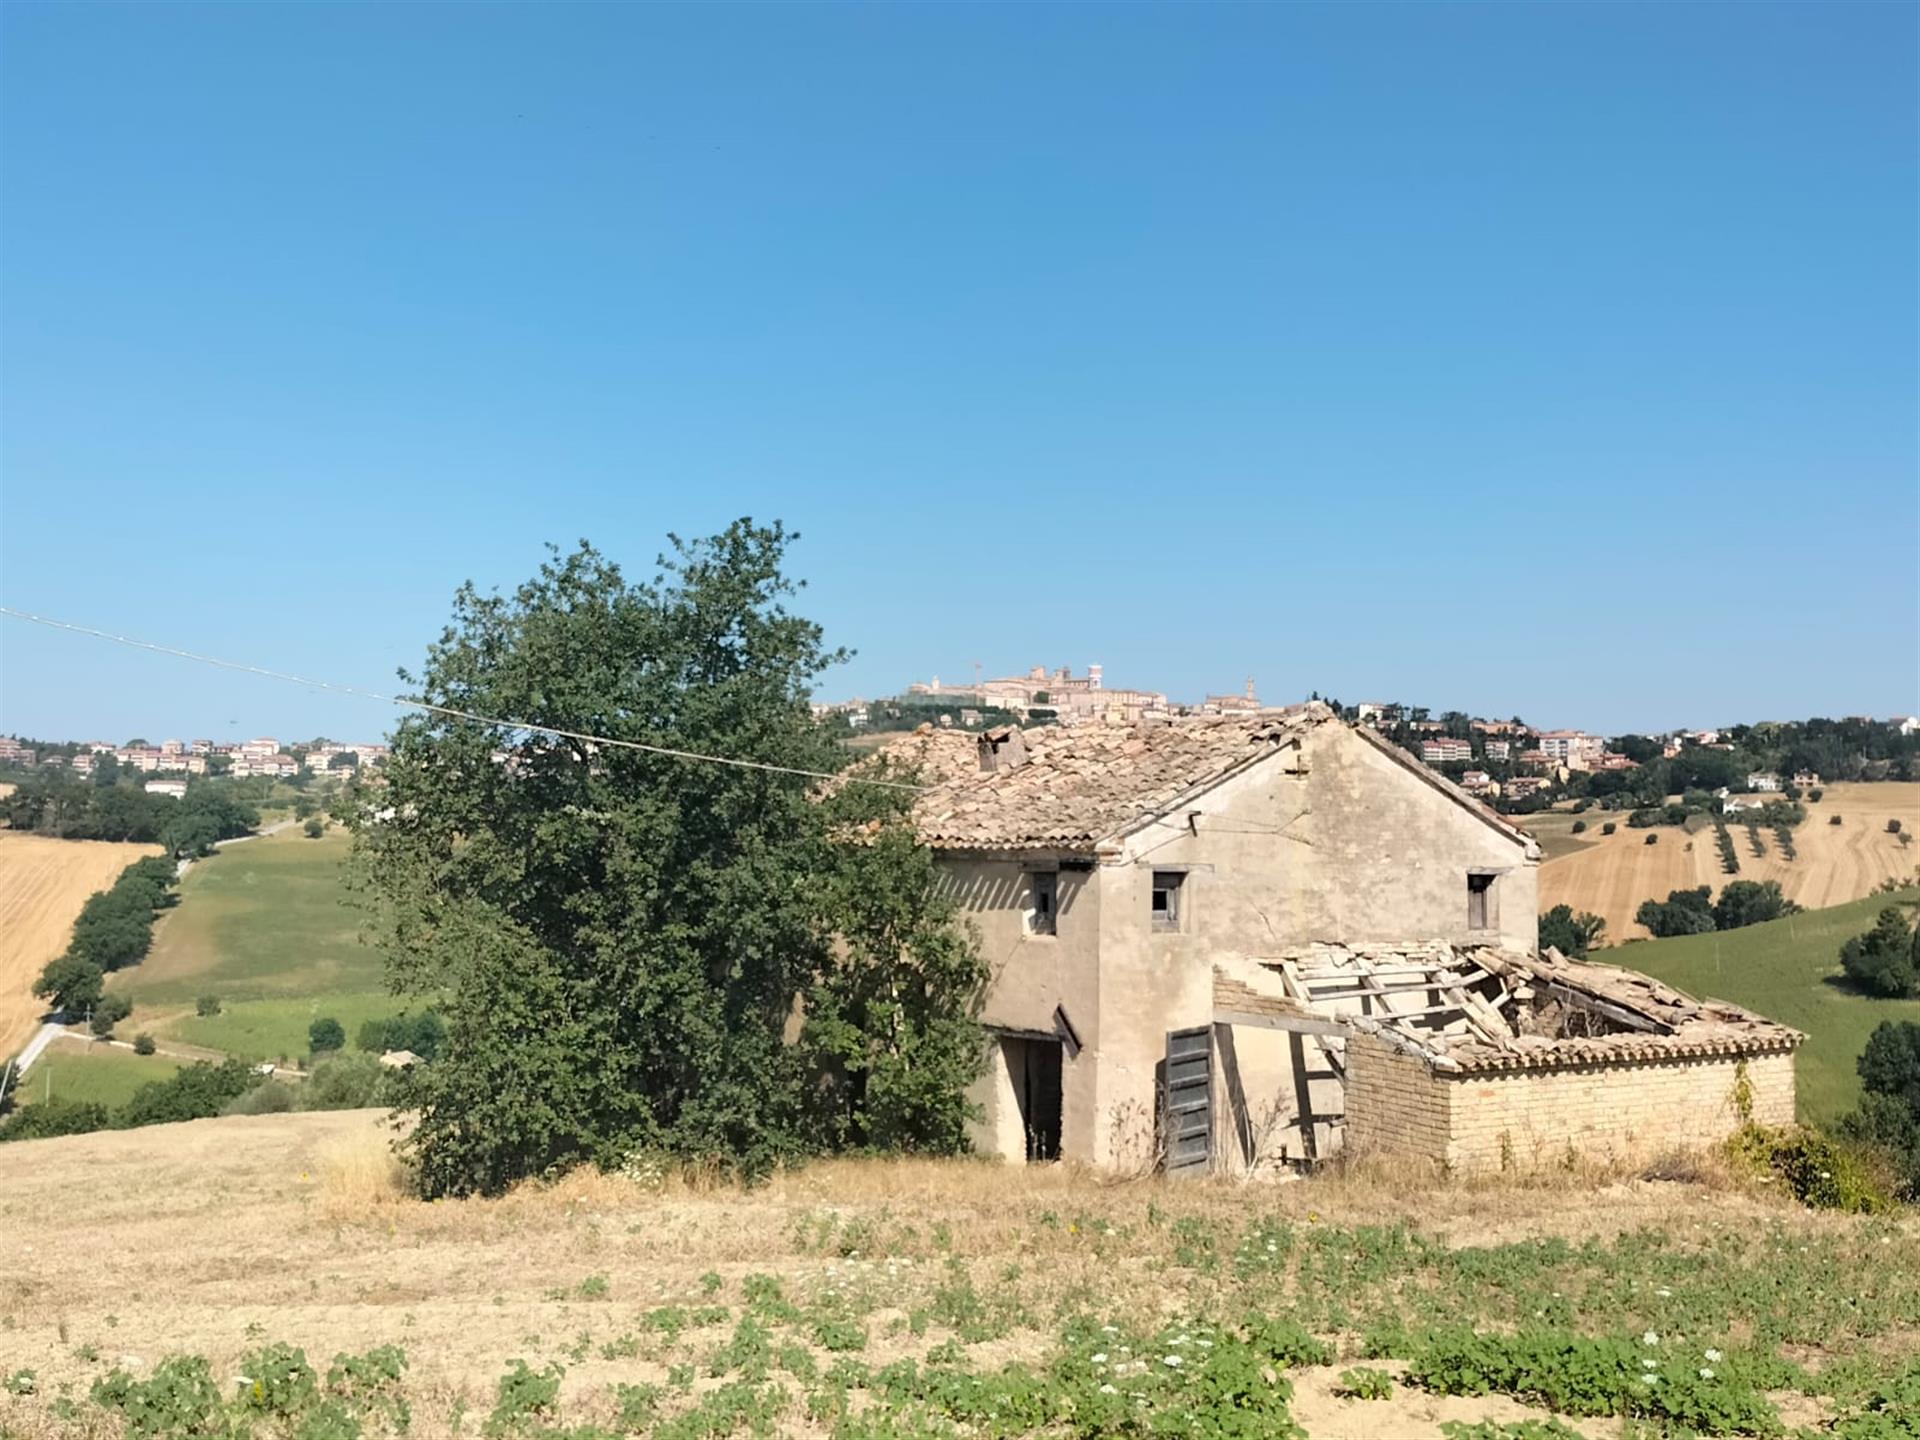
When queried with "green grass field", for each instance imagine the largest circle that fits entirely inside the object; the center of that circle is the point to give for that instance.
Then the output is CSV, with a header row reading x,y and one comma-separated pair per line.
x,y
104,1074
1785,969
268,928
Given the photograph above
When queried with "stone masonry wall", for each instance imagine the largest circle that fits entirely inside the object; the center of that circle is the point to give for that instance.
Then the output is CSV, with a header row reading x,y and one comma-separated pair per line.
x,y
1530,1118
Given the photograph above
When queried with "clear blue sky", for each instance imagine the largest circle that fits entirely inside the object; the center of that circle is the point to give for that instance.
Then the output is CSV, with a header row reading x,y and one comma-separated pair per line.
x,y
1548,359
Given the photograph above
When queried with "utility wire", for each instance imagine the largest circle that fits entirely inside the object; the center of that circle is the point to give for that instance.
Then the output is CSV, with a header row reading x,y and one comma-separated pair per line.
x,y
406,703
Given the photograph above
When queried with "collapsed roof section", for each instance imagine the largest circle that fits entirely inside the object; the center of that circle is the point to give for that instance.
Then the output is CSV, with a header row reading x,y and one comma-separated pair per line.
x,y
1466,1009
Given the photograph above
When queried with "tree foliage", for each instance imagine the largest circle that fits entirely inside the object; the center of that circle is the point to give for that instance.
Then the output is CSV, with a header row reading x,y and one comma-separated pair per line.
x,y
1886,960
1749,902
623,943
114,929
1683,912
1571,934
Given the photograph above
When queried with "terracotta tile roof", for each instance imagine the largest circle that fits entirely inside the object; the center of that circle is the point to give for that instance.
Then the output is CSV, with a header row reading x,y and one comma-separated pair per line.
x,y
936,754
1082,785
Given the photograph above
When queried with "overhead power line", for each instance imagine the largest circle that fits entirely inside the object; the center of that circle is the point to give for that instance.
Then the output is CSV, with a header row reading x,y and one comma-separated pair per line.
x,y
407,703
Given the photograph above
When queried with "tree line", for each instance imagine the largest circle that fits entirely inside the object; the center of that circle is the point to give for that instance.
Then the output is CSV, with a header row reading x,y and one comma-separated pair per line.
x,y
110,807
114,929
1696,912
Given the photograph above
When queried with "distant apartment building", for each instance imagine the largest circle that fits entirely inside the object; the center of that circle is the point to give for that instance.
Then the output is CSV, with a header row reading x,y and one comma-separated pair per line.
x,y
258,749
1501,750
1445,750
1763,780
1609,760
12,752
1806,779
1478,782
1574,749
1905,724
1523,786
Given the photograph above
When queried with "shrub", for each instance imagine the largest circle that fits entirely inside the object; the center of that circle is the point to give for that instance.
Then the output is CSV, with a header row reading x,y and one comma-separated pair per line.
x,y
1608,827
1884,960
346,1082
207,1005
1893,827
1823,1173
325,1035
1653,839
273,1097
314,828
1572,935
1833,820
1815,794
1683,912
55,1117
143,1044
110,1011
1749,902
1579,827
1890,1063
422,1034
193,1094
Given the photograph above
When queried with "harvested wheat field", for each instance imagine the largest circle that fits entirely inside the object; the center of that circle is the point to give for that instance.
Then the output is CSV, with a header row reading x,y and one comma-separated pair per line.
x,y
1611,875
876,1298
43,884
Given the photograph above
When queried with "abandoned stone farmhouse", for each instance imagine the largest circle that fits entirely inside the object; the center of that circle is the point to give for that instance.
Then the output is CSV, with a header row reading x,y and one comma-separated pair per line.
x,y
1242,941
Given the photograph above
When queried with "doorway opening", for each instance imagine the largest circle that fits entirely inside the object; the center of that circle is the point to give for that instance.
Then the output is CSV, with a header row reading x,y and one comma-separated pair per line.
x,y
1034,1067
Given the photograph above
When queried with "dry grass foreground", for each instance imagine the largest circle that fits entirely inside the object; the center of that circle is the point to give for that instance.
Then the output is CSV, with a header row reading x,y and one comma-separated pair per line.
x,y
43,884
1611,875
214,1237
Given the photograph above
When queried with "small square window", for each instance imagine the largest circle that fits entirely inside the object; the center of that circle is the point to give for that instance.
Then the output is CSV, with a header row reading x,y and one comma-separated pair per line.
x,y
1166,899
1043,901
1480,902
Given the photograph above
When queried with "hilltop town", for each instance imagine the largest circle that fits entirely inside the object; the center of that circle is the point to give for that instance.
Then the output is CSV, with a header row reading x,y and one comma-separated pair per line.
x,y
176,759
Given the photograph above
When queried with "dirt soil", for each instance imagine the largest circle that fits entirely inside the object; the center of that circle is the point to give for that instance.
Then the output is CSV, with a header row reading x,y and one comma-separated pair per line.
x,y
1832,864
43,884
215,1236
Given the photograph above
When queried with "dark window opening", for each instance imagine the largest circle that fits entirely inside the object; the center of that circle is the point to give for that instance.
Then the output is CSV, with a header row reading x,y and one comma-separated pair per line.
x,y
1045,901
1166,899
1034,1066
1479,902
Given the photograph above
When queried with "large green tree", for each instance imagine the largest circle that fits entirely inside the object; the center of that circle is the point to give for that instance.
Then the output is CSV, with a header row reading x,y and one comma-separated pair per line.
x,y
633,949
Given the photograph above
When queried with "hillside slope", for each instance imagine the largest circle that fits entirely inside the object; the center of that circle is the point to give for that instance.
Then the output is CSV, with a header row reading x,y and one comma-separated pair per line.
x,y
1787,970
1610,875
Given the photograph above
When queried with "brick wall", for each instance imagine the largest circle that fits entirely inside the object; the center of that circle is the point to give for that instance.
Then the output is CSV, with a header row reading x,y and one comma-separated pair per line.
x,y
1530,1118
1394,1105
